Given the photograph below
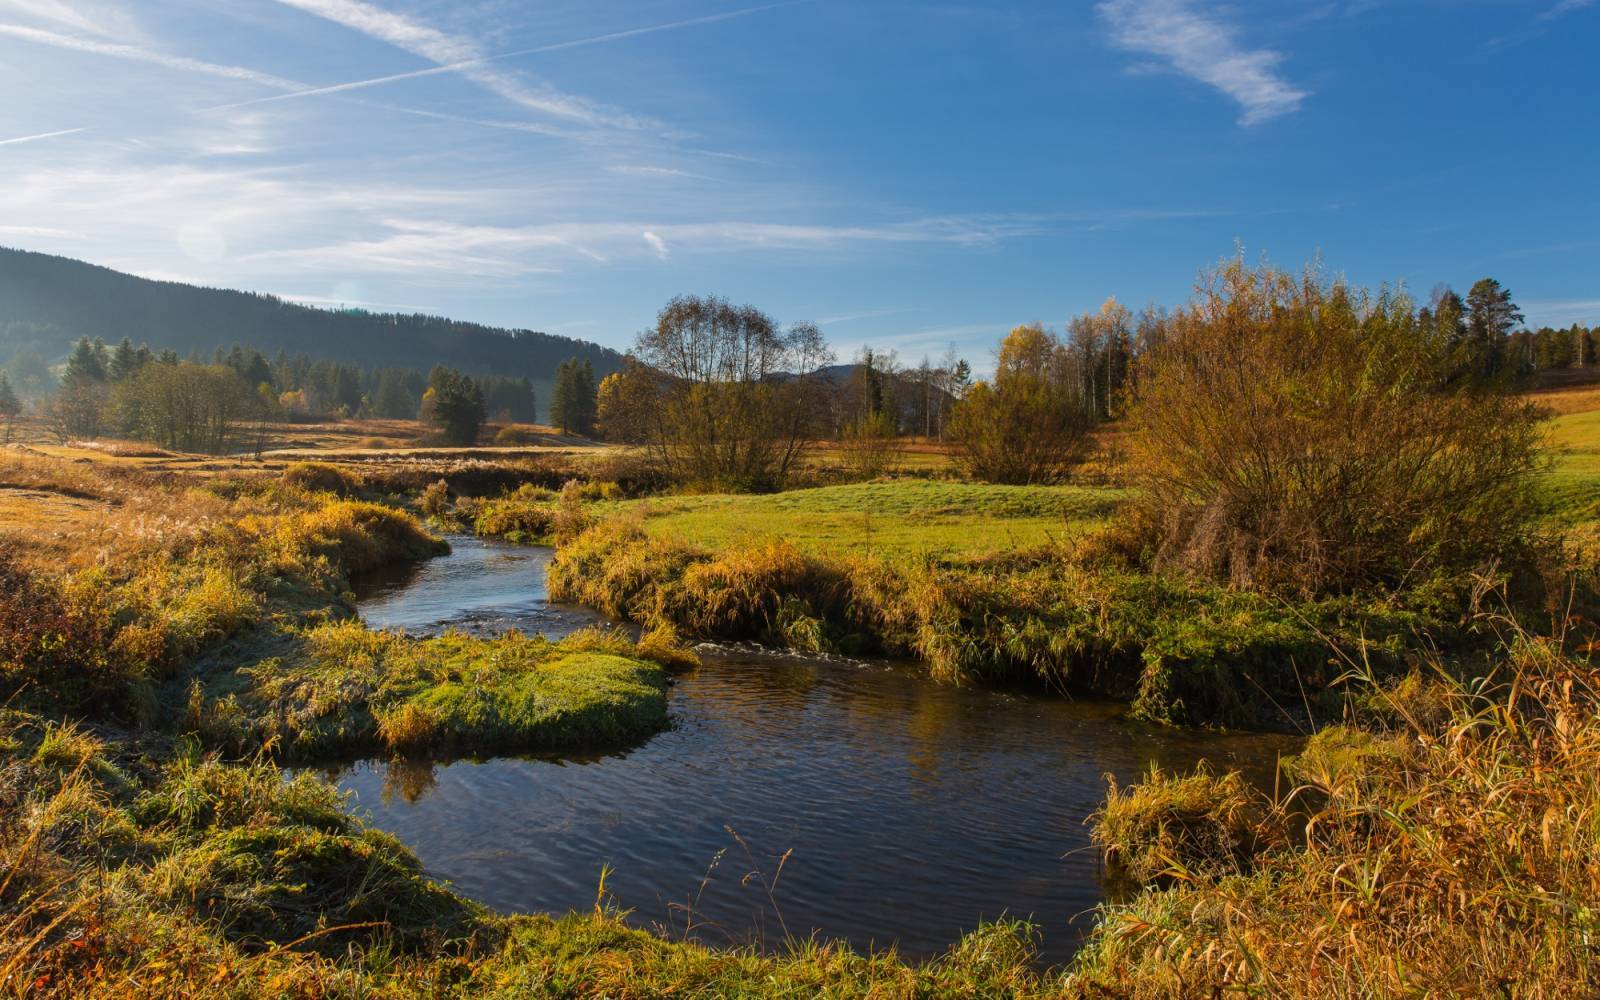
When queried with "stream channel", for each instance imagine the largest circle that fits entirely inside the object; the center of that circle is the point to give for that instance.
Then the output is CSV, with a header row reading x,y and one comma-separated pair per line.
x,y
910,811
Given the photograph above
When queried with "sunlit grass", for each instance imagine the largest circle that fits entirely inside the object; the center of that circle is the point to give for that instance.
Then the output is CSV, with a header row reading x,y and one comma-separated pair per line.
x,y
899,519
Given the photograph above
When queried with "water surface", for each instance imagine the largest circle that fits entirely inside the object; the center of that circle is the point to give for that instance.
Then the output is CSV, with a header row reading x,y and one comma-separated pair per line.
x,y
908,811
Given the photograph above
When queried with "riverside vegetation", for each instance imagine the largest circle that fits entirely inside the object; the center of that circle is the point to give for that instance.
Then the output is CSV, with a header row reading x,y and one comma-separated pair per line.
x,y
167,643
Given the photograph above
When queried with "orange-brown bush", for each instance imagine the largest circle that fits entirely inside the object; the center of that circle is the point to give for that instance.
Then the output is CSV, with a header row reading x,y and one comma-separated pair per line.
x,y
1299,434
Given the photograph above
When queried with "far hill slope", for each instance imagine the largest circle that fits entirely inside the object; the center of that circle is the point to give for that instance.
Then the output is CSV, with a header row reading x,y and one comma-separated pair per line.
x,y
47,302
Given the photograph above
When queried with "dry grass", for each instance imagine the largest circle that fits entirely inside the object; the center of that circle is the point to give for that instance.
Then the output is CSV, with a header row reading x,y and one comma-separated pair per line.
x,y
1450,849
1171,828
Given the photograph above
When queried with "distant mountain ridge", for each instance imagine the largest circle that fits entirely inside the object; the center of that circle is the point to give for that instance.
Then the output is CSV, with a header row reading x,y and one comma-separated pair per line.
x,y
47,302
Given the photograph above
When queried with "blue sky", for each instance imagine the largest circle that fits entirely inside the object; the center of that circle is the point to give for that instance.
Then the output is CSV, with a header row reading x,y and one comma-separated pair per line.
x,y
908,175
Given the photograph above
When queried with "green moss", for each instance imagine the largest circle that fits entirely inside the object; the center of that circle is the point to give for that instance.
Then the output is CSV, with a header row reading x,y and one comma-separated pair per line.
x,y
340,688
271,885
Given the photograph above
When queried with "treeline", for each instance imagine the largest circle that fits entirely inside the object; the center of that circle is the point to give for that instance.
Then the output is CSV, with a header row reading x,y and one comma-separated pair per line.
x,y
160,398
47,303
194,405
1031,421
726,397
302,388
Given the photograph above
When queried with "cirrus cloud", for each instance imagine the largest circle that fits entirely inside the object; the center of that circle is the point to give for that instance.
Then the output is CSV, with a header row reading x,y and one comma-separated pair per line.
x,y
1203,47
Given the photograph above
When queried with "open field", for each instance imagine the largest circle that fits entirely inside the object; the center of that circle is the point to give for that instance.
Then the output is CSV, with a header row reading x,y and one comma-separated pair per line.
x,y
904,519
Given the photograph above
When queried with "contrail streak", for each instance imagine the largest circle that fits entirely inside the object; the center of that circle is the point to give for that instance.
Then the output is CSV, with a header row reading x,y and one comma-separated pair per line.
x,y
457,67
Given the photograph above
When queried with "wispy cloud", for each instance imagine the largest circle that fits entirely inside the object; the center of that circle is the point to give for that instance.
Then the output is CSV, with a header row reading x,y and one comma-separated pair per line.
x,y
1540,23
617,36
41,135
1201,46
463,56
412,246
139,54
477,67
853,317
45,231
631,170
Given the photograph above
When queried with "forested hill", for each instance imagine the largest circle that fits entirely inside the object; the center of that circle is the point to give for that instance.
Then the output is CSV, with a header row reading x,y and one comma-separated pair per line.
x,y
47,302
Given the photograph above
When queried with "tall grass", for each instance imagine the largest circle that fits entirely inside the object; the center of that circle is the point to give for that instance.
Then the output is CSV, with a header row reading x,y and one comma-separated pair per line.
x,y
1450,847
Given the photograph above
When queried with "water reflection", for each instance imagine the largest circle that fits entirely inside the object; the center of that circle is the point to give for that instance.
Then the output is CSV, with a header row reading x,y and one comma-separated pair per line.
x,y
481,587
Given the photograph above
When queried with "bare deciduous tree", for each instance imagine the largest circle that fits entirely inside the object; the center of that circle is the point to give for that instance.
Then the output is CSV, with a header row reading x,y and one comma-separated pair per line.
x,y
738,399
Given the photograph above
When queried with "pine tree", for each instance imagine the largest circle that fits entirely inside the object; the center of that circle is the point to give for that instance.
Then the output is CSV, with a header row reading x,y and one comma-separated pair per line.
x,y
124,361
257,372
585,389
84,366
454,404
393,398
564,407
1491,316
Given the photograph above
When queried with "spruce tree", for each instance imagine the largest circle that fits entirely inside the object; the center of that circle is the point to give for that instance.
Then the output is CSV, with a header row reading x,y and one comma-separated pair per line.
x,y
454,404
563,398
585,389
124,360
84,366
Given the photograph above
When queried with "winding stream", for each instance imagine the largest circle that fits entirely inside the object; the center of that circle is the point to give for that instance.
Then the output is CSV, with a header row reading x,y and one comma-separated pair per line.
x,y
911,810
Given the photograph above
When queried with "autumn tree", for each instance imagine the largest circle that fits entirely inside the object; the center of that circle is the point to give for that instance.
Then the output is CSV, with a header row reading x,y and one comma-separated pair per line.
x,y
1100,350
1030,423
1292,432
869,425
627,404
185,406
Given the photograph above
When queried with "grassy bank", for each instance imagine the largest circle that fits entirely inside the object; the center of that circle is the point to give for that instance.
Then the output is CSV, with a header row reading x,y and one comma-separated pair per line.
x,y
1005,583
220,608
340,689
1058,614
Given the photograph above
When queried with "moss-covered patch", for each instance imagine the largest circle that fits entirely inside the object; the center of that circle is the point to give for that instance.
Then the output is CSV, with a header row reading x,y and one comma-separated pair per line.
x,y
270,861
338,688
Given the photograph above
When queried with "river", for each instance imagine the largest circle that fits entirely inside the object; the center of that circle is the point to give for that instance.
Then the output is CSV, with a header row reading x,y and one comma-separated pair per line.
x,y
792,795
